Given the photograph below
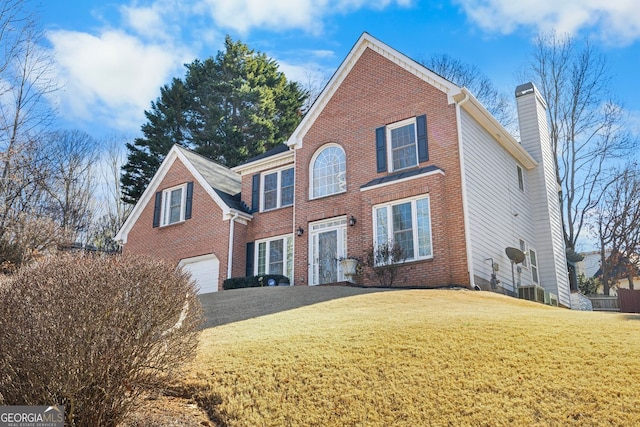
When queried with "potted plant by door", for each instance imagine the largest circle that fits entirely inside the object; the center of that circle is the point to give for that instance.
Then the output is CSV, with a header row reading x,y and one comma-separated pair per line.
x,y
349,267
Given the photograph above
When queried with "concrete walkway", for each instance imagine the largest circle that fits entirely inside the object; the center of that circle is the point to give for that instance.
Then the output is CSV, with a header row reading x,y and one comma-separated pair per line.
x,y
235,305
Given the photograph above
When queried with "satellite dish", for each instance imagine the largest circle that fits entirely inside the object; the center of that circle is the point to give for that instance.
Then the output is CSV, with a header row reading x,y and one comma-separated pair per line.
x,y
515,255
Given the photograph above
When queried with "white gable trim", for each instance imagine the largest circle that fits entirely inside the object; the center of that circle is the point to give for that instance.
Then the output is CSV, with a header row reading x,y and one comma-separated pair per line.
x,y
497,131
265,163
173,155
367,41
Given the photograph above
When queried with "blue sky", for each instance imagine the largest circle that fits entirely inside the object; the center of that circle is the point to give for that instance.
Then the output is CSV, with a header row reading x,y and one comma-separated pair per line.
x,y
113,56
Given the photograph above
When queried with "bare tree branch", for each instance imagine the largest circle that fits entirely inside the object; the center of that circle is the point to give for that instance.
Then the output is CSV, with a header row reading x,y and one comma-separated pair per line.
x,y
586,124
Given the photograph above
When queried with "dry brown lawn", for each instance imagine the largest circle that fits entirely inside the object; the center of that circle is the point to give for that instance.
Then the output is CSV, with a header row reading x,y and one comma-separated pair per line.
x,y
423,358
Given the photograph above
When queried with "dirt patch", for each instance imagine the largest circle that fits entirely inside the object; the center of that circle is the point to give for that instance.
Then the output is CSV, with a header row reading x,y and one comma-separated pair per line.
x,y
168,411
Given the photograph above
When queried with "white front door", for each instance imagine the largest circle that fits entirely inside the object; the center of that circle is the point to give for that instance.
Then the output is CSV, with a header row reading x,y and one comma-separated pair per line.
x,y
328,242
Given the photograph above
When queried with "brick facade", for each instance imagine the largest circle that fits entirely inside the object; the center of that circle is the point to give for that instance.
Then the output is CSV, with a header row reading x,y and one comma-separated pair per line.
x,y
204,233
376,93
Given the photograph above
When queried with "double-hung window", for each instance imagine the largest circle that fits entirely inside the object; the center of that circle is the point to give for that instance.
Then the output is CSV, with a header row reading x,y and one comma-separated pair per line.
x,y
406,223
173,205
533,257
277,189
275,256
402,145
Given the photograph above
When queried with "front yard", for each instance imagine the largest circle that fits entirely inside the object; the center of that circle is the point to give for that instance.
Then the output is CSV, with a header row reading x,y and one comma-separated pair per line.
x,y
422,358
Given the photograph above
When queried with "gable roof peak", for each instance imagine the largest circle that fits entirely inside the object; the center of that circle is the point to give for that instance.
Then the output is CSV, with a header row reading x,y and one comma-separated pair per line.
x,y
367,41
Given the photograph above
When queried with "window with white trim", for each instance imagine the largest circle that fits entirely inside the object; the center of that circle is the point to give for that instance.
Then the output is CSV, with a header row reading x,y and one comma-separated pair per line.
x,y
277,189
329,172
402,144
534,266
173,205
406,223
275,256
523,248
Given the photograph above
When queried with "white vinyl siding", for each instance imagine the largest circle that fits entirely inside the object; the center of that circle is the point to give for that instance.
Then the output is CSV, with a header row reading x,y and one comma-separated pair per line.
x,y
499,214
543,190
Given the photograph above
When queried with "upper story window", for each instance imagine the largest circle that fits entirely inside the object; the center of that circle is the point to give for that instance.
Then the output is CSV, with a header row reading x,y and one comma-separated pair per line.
x,y
406,223
520,177
173,205
277,189
402,145
328,174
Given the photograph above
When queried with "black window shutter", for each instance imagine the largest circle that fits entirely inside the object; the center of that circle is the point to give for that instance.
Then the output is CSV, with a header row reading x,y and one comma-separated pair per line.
x,y
423,147
156,209
255,193
189,201
381,149
250,254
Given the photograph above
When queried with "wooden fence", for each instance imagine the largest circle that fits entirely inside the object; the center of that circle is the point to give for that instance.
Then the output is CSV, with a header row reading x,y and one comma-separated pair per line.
x,y
604,303
629,301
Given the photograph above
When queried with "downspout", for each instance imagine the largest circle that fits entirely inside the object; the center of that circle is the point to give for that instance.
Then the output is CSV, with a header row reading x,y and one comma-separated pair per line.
x,y
230,256
463,183
293,225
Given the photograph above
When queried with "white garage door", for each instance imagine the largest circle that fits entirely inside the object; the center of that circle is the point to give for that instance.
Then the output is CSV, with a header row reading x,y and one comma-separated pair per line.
x,y
204,270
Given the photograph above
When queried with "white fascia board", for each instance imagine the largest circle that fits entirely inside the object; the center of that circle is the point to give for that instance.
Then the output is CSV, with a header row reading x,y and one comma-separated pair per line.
x,y
270,162
367,41
146,195
495,129
151,189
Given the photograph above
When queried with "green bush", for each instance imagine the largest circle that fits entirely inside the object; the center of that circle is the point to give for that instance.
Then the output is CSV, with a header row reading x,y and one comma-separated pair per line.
x,y
253,281
94,333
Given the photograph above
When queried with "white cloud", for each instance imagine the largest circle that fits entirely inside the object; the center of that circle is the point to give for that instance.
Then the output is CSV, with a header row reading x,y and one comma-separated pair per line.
x,y
615,21
112,76
634,123
307,15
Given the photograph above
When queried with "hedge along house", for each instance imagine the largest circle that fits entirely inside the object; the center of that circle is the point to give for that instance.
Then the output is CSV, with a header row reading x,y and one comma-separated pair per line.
x,y
389,152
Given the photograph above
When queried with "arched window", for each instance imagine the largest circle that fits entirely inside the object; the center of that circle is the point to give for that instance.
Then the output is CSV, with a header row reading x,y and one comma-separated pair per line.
x,y
329,169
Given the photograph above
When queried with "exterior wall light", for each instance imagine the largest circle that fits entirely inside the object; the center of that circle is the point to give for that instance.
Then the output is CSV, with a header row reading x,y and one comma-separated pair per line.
x,y
299,231
352,220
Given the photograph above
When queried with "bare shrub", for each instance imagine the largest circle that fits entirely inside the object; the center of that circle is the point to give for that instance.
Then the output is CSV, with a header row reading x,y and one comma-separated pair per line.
x,y
94,333
383,262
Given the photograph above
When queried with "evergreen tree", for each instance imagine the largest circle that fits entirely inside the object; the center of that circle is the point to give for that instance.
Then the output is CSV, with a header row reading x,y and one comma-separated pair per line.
x,y
228,108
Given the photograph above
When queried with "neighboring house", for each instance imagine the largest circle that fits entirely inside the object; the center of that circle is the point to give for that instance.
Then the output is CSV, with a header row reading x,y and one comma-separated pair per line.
x,y
390,151
591,267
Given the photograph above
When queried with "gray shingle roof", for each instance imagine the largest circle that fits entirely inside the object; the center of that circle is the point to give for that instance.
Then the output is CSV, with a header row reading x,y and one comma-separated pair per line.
x,y
401,175
226,183
280,148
